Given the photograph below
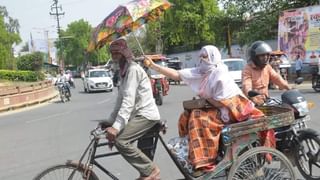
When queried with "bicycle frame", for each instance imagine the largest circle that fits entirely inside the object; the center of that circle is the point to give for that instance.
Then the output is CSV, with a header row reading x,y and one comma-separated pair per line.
x,y
231,148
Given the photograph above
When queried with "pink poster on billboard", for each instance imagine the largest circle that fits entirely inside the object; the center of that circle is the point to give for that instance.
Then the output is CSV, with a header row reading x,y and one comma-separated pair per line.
x,y
299,33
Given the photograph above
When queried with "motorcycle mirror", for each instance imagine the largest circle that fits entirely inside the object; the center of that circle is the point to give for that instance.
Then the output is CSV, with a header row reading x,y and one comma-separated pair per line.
x,y
299,80
253,93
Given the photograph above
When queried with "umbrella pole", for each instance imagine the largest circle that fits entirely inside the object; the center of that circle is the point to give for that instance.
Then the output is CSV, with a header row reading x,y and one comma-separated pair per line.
x,y
140,47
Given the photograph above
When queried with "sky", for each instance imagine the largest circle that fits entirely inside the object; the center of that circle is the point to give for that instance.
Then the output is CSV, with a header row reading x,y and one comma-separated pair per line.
x,y
34,18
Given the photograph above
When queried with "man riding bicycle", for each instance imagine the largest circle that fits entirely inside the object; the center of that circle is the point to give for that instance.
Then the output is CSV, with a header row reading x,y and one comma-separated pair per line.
x,y
135,111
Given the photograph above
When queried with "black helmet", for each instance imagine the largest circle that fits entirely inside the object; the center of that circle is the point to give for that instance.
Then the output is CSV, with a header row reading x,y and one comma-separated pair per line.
x,y
258,48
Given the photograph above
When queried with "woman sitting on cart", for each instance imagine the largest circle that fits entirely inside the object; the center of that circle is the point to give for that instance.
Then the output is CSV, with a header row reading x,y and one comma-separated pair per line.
x,y
210,80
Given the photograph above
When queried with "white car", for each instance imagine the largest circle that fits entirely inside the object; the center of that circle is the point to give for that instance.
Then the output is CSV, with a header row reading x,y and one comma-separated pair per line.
x,y
97,80
235,66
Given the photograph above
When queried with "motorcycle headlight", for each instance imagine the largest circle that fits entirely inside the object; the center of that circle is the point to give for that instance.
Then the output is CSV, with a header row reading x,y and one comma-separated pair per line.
x,y
302,108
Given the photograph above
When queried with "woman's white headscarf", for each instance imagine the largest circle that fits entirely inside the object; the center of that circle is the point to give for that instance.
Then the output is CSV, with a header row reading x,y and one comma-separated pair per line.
x,y
210,79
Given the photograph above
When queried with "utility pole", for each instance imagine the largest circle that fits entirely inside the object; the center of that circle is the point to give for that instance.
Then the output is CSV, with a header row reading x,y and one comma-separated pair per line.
x,y
57,12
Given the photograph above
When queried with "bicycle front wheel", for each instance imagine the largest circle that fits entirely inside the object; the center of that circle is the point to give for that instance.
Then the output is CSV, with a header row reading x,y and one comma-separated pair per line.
x,y
253,165
66,172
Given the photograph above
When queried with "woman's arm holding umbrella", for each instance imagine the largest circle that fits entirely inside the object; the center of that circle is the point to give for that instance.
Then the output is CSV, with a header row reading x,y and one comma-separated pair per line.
x,y
169,72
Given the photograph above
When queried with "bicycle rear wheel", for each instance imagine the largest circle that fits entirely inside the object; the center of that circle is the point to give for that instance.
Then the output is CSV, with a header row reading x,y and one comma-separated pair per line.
x,y
64,171
253,165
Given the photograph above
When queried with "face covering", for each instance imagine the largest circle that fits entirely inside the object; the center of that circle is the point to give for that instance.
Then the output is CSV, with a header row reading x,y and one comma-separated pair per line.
x,y
204,66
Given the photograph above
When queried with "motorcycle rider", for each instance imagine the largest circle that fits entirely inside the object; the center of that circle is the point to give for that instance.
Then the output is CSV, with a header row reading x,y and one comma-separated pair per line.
x,y
63,78
70,78
258,73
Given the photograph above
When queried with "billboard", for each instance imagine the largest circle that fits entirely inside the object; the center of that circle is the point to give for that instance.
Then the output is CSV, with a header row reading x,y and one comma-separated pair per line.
x,y
299,33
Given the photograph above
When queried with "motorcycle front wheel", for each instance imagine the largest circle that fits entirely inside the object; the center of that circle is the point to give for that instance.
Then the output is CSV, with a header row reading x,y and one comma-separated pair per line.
x,y
62,96
307,157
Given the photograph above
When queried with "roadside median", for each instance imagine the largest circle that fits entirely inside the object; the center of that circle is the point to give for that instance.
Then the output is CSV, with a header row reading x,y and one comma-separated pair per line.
x,y
15,97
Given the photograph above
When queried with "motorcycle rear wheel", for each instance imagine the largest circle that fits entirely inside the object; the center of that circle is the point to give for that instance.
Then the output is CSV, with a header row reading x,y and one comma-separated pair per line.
x,y
159,99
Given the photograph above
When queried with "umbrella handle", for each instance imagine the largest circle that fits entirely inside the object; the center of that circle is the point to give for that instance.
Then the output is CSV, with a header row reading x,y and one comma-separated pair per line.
x,y
140,47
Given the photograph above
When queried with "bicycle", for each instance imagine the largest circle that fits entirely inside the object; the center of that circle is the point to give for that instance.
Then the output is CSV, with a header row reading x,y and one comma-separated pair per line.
x,y
240,155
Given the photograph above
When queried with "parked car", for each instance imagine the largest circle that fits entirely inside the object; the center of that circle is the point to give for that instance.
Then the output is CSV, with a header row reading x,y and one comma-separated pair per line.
x,y
235,66
97,80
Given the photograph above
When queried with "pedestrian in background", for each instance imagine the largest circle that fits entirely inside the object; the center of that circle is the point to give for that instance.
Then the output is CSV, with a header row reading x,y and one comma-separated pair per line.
x,y
298,66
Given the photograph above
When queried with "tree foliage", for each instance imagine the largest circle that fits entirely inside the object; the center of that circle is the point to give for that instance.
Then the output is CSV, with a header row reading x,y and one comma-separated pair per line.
x,y
189,24
31,62
74,42
9,34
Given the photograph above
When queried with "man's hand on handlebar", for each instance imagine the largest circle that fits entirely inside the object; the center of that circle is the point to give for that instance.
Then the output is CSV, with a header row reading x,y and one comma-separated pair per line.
x,y
111,135
259,99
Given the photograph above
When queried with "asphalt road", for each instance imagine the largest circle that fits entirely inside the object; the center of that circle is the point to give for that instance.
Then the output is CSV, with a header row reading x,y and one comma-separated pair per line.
x,y
34,139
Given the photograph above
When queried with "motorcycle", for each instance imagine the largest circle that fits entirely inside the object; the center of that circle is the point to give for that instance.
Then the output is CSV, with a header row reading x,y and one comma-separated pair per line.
x,y
64,91
300,143
160,87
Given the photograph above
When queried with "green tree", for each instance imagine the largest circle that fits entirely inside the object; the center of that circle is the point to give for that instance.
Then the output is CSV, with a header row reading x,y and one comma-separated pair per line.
x,y
188,25
74,42
31,62
9,35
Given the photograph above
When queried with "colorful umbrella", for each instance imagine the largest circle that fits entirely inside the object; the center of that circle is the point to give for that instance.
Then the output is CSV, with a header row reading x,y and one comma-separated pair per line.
x,y
125,19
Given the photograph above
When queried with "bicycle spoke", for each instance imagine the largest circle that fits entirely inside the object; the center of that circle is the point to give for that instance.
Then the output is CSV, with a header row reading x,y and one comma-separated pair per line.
x,y
310,168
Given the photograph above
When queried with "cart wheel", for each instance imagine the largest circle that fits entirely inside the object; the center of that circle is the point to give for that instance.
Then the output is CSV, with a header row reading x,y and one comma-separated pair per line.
x,y
254,165
63,172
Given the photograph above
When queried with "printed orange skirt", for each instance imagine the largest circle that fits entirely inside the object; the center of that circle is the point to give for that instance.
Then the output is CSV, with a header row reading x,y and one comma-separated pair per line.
x,y
203,126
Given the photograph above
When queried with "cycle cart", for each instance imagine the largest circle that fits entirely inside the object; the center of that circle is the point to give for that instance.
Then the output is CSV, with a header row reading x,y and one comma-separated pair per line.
x,y
240,154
